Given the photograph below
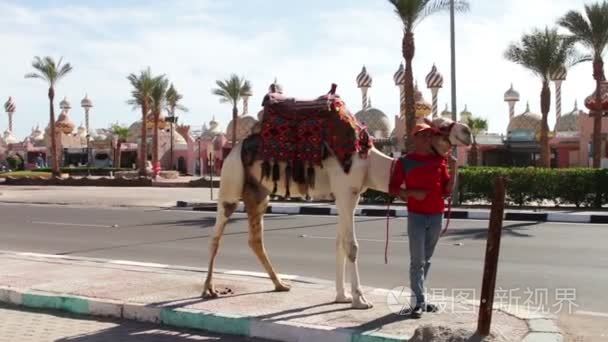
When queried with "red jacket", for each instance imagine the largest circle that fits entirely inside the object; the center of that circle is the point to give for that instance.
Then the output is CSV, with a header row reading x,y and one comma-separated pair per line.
x,y
422,172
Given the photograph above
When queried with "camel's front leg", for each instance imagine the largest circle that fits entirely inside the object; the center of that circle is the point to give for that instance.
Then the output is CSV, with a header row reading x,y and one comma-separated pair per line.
x,y
256,207
346,203
341,296
223,213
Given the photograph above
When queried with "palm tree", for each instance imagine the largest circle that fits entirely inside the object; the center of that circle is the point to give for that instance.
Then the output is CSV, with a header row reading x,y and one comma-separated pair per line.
x,y
544,52
231,91
173,98
477,126
411,13
121,133
158,97
51,72
141,97
592,32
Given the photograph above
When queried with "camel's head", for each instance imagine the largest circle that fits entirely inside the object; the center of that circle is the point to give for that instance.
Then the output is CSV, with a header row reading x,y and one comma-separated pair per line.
x,y
450,134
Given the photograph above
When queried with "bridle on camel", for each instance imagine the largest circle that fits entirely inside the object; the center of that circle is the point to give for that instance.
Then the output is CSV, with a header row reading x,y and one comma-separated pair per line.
x,y
389,200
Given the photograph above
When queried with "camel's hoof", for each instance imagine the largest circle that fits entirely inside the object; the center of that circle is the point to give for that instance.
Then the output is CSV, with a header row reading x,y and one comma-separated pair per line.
x,y
209,292
282,287
344,299
362,304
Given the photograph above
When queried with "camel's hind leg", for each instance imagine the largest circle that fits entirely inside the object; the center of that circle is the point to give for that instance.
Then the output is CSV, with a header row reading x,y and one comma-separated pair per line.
x,y
224,211
256,202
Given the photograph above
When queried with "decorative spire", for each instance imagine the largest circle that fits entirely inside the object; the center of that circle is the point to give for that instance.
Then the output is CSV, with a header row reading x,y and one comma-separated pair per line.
x,y
364,80
575,105
9,105
86,102
511,95
399,76
559,75
434,79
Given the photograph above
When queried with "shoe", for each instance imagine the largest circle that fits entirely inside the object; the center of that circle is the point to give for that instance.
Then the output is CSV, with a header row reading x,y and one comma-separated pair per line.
x,y
431,308
416,312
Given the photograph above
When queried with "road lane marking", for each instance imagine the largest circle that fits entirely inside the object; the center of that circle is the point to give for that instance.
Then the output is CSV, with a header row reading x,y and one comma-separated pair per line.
x,y
590,313
305,236
73,224
137,263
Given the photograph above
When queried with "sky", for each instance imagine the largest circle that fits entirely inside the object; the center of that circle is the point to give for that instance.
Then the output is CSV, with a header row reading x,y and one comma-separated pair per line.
x,y
306,45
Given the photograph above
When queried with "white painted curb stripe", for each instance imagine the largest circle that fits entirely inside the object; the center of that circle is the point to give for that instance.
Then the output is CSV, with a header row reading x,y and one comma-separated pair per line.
x,y
285,210
478,215
141,313
562,217
291,332
105,308
401,213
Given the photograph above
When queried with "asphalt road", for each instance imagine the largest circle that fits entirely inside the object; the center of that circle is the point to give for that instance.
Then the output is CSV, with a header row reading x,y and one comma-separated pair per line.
x,y
547,259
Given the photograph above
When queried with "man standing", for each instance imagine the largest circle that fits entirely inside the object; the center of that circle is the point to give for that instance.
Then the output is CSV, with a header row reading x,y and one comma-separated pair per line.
x,y
427,183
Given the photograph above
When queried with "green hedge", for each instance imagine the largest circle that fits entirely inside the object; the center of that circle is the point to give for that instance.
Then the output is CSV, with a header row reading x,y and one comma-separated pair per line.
x,y
528,186
525,186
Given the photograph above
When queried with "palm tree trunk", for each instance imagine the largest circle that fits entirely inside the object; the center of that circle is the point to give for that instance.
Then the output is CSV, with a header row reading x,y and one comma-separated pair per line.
x,y
545,107
234,117
118,147
143,156
54,152
408,50
598,74
155,145
473,155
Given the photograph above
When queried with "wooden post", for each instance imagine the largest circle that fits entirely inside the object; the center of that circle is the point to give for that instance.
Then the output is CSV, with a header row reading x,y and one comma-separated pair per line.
x,y
491,260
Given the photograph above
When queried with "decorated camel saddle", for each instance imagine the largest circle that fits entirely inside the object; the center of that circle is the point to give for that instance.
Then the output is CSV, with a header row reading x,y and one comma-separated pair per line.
x,y
300,134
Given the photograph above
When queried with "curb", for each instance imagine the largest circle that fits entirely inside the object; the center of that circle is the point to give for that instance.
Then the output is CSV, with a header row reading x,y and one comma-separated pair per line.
x,y
542,327
378,212
188,318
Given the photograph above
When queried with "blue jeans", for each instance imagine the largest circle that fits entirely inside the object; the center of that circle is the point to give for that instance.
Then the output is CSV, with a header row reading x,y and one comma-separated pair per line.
x,y
423,233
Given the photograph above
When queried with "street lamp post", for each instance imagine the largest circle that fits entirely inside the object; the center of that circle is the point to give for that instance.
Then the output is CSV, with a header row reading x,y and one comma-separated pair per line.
x,y
211,166
453,81
200,158
171,119
88,155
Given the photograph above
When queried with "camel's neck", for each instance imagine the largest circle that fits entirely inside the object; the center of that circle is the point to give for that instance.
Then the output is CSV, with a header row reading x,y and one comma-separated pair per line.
x,y
379,172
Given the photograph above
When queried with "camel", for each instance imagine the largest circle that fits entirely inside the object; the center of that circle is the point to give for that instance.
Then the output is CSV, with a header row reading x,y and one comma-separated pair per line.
x,y
367,172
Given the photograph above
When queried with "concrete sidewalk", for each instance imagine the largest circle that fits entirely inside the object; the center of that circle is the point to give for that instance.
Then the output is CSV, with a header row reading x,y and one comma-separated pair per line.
x,y
32,325
171,295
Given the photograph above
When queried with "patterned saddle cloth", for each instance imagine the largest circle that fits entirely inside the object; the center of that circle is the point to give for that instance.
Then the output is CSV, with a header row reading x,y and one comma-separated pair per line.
x,y
304,133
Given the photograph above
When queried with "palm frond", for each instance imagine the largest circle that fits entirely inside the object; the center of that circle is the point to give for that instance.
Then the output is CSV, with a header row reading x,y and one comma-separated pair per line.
x,y
543,52
589,28
48,70
232,89
434,7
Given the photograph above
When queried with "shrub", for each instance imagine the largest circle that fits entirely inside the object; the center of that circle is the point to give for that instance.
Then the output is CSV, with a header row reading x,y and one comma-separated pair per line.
x,y
579,187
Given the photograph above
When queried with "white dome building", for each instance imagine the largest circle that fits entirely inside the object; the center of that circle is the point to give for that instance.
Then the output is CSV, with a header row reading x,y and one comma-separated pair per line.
x,y
527,125
244,127
376,121
568,124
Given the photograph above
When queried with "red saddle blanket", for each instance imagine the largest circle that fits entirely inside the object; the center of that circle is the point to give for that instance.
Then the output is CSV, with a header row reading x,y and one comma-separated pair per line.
x,y
306,132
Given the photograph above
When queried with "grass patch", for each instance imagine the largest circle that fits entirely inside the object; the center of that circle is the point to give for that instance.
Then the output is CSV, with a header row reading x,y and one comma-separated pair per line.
x,y
25,174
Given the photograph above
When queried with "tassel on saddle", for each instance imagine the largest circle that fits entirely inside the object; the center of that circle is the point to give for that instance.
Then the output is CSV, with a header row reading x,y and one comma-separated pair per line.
x,y
299,172
288,174
310,176
276,175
